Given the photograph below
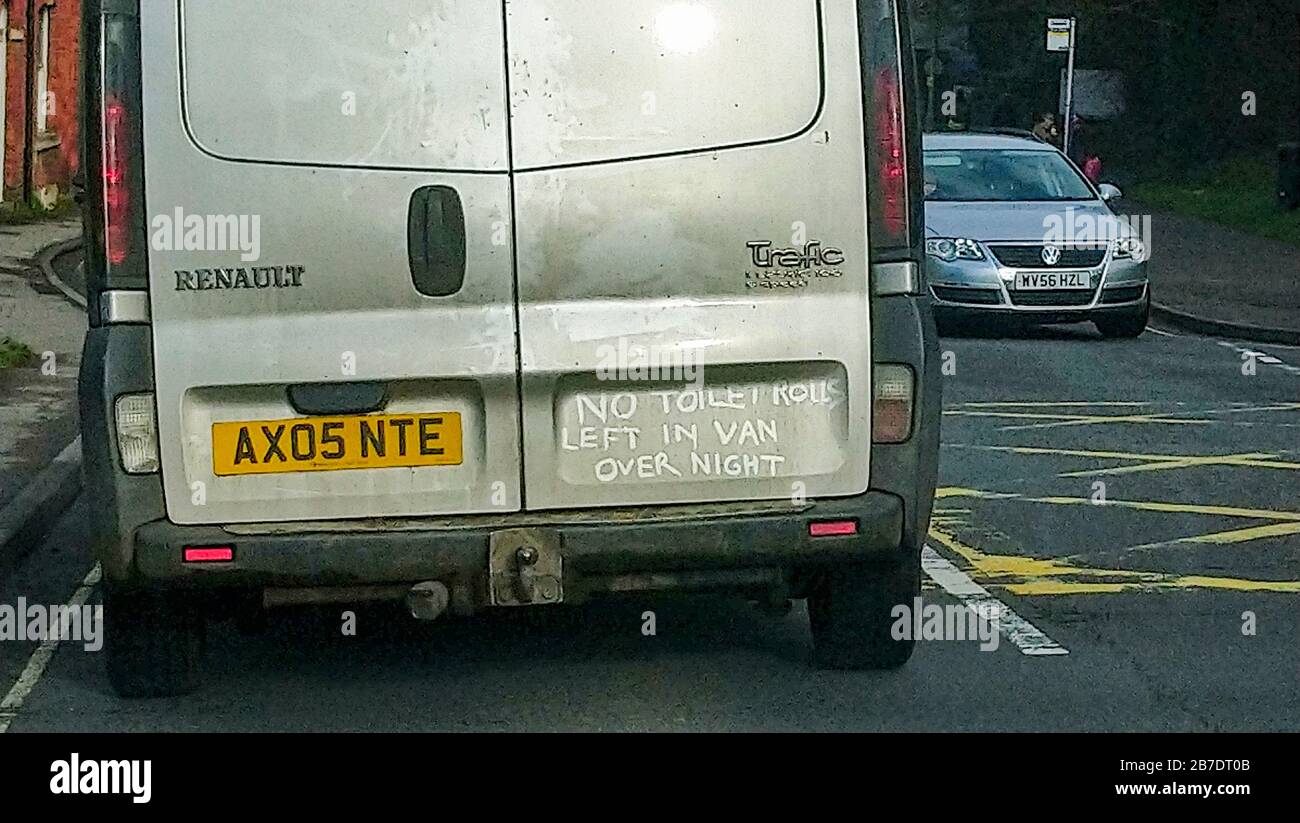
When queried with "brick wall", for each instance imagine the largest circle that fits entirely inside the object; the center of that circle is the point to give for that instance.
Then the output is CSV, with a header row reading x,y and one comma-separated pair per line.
x,y
56,151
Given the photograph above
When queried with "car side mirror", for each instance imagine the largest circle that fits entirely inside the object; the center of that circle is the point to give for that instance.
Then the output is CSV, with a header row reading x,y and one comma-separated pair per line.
x,y
1110,193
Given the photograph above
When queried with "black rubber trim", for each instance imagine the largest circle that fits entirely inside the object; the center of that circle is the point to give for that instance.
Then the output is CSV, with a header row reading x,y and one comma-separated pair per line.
x,y
776,539
116,360
904,332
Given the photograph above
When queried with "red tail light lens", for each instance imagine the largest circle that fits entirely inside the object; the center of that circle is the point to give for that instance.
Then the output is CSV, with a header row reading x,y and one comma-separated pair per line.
x,y
889,160
886,52
895,393
117,232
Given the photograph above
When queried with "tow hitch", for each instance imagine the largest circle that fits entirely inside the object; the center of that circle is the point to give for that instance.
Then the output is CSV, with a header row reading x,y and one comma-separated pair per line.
x,y
526,568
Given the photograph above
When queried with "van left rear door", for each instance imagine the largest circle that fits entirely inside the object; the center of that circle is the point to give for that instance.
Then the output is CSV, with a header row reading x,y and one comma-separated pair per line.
x,y
332,289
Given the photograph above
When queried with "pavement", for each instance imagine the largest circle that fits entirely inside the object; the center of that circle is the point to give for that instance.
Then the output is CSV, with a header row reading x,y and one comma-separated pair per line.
x,y
1233,282
38,402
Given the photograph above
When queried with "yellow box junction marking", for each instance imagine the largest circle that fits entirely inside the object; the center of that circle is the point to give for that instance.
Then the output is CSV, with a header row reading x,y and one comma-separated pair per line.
x,y
1147,462
1060,419
1025,575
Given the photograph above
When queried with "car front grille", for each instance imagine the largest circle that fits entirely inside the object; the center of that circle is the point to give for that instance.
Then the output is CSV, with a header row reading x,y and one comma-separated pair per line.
x,y
1031,257
1057,297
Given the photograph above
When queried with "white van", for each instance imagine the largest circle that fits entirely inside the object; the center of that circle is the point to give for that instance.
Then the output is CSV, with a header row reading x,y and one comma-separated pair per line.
x,y
496,303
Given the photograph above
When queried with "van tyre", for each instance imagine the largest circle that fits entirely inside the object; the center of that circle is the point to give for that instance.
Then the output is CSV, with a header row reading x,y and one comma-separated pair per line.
x,y
153,642
1127,325
851,612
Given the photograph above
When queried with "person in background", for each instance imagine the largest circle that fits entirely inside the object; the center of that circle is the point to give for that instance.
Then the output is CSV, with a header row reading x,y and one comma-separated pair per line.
x,y
1082,151
1047,130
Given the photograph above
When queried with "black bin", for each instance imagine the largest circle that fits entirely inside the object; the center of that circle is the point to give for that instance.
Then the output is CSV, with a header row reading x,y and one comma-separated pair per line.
x,y
1288,175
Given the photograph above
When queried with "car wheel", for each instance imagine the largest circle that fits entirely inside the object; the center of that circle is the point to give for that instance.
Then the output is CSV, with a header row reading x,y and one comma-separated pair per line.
x,y
851,611
153,643
1126,326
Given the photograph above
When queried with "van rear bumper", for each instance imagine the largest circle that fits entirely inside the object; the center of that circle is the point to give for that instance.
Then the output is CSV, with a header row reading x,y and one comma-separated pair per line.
x,y
138,547
667,539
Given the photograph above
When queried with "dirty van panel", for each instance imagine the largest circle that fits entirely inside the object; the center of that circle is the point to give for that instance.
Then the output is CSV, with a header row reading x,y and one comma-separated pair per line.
x,y
696,327
330,342
406,83
737,425
595,81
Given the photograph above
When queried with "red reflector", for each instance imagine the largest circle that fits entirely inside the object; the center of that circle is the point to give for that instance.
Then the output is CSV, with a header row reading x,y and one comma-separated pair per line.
x,y
833,528
209,554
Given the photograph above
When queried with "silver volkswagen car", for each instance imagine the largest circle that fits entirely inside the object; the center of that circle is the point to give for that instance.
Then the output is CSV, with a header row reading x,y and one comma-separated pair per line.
x,y
1014,230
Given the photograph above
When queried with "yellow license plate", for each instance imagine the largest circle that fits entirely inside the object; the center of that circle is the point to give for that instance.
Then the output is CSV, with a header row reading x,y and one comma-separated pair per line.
x,y
321,444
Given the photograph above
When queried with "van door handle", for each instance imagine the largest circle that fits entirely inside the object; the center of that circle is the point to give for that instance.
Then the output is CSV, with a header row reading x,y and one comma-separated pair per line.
x,y
436,241
337,399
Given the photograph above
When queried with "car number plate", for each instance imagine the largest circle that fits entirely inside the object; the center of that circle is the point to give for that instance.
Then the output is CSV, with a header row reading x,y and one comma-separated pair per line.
x,y
1052,280
319,444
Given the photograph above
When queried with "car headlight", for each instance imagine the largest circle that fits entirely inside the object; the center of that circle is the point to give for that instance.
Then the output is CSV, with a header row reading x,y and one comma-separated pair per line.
x,y
950,249
1130,248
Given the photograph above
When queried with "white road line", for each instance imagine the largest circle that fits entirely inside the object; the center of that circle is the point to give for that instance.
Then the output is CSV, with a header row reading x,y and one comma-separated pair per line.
x,y
1160,332
35,668
1261,356
1025,635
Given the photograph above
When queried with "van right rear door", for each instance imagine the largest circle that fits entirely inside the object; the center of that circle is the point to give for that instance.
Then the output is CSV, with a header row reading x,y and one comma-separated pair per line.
x,y
691,226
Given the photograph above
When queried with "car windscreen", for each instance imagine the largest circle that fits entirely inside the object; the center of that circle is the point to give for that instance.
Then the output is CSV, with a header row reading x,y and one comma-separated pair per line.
x,y
1000,175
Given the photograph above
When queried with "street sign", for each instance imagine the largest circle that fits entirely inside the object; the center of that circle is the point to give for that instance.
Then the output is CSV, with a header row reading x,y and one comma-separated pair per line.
x,y
1060,37
1060,34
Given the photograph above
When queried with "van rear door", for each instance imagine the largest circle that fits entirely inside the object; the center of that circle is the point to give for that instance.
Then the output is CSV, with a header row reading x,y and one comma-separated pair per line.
x,y
692,250
330,205
649,215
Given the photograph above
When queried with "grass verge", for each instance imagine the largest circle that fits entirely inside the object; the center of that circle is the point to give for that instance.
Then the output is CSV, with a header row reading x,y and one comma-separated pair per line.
x,y
1241,193
17,213
14,354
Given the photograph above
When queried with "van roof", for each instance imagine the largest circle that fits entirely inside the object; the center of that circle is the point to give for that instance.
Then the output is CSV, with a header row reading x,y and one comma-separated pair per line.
x,y
984,140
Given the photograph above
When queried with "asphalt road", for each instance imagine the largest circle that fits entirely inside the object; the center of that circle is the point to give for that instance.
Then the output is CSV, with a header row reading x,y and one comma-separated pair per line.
x,y
1134,503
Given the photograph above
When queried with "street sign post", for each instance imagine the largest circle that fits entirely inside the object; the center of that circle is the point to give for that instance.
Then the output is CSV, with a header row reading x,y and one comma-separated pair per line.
x,y
1060,34
1061,37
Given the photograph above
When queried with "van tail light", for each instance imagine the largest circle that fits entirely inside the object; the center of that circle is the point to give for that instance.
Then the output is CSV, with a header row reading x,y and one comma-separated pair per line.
x,y
884,84
889,160
118,165
117,189
136,424
895,392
